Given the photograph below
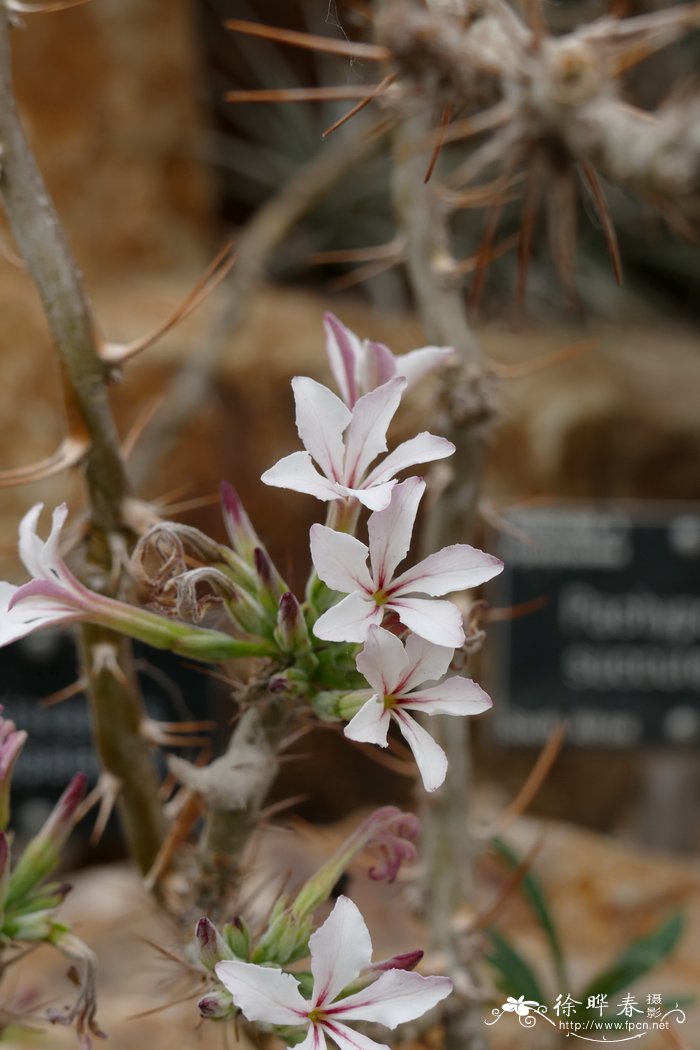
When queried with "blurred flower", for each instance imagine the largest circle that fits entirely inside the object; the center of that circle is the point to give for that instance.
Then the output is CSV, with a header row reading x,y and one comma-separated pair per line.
x,y
360,365
340,950
345,442
341,562
395,672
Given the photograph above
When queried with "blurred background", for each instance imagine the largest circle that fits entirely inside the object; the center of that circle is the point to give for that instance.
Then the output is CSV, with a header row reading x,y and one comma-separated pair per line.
x,y
151,171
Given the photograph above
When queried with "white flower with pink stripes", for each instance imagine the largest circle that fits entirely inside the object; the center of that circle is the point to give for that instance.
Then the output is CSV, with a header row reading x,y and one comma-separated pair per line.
x,y
360,365
396,673
341,562
341,950
344,442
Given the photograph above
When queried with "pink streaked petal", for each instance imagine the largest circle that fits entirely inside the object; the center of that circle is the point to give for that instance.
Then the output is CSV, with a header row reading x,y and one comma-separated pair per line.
x,y
263,993
375,498
370,725
297,472
455,568
390,530
344,351
377,365
348,1039
30,546
427,662
321,419
454,696
423,448
17,621
436,621
340,560
394,998
55,595
383,661
315,1040
349,620
418,363
340,949
430,758
365,438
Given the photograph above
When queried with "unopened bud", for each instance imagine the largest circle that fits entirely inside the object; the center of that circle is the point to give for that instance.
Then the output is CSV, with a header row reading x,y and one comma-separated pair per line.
x,y
211,946
216,1005
291,633
43,852
12,741
243,537
293,682
271,586
403,961
237,936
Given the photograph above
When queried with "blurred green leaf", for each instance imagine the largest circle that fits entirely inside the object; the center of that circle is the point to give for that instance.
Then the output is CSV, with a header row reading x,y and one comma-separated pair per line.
x,y
513,974
638,958
535,894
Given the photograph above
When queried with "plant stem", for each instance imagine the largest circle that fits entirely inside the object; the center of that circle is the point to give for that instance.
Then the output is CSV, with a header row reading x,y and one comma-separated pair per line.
x,y
116,705
448,847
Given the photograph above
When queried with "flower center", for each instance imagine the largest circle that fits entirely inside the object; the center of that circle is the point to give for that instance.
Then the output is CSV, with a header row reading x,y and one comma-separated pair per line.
x,y
380,597
389,701
315,1015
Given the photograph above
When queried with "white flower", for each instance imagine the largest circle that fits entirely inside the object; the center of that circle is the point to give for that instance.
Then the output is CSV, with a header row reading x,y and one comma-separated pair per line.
x,y
360,365
345,442
341,562
340,950
395,673
54,595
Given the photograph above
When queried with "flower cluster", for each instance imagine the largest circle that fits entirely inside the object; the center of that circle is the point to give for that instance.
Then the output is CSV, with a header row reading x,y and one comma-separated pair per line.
x,y
344,438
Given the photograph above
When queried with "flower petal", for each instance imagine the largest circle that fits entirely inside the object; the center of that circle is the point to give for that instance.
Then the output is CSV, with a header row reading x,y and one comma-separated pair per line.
x,y
340,949
418,363
454,568
365,437
349,620
436,621
427,662
297,472
51,560
423,448
390,530
263,993
370,725
454,696
30,546
383,661
315,1040
344,351
348,1039
377,365
395,997
340,560
375,498
430,758
29,615
321,419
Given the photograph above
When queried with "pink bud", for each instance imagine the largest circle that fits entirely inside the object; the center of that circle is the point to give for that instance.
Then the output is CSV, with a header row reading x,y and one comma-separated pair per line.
x,y
243,537
403,961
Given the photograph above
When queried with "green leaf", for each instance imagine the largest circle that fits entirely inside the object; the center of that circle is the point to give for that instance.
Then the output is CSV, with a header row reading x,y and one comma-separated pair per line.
x,y
513,974
638,958
532,889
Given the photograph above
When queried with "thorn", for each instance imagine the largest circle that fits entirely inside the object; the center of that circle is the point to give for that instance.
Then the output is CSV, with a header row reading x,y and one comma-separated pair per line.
x,y
175,734
537,364
488,915
104,795
68,454
472,262
362,273
535,778
515,612
592,182
360,105
22,8
346,48
176,838
340,93
284,804
561,222
105,661
116,354
484,253
143,420
485,120
387,250
445,118
534,17
60,695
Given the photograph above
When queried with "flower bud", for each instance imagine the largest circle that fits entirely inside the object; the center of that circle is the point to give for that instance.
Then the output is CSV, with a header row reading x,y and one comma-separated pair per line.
x,y
217,1005
243,537
271,586
12,741
43,852
211,946
403,961
291,633
237,936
